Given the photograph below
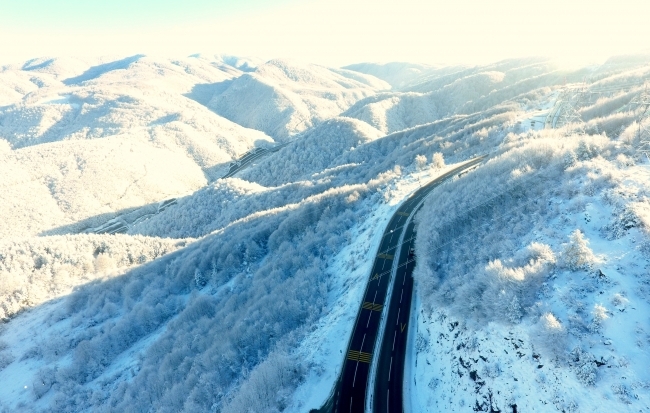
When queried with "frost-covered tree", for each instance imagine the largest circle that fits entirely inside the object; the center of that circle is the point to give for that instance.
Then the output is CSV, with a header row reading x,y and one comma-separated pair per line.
x,y
438,161
268,386
33,270
104,262
599,314
513,311
585,366
551,335
577,255
420,162
200,279
586,150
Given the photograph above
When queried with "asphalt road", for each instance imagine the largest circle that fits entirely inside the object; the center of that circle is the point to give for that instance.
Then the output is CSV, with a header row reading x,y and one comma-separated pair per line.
x,y
246,160
249,157
351,389
387,396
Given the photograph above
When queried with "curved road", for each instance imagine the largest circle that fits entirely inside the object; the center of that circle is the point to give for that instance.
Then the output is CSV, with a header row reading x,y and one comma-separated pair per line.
x,y
350,392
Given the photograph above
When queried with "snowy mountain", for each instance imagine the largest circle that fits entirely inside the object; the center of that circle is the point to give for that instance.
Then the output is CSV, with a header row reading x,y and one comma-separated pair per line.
x,y
57,184
461,91
240,294
398,74
282,98
314,151
106,138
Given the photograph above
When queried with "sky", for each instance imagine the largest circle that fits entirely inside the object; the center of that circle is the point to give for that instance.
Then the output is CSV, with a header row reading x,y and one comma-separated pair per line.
x,y
329,32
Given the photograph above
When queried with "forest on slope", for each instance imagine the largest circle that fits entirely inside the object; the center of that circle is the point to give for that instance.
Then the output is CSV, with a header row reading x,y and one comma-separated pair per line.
x,y
211,303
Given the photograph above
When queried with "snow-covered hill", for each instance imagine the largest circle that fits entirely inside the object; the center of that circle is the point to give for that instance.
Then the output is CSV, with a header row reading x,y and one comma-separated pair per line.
x,y
239,295
460,91
313,152
398,74
282,98
87,182
113,136
134,95
17,80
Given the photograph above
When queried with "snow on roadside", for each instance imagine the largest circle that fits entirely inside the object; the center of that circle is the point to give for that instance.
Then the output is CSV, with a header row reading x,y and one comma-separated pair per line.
x,y
598,360
323,349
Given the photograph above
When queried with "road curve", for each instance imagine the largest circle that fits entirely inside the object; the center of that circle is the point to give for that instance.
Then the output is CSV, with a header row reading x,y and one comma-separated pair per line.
x,y
351,389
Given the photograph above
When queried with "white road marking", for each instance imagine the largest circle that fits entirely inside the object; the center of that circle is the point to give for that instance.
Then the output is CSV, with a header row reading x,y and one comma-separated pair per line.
x,y
398,310
354,380
394,337
390,368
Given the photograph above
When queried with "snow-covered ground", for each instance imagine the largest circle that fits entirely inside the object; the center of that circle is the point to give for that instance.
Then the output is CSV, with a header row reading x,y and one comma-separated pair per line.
x,y
253,313
500,365
575,335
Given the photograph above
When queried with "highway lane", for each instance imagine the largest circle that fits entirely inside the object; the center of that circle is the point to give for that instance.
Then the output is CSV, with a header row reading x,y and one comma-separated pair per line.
x,y
351,389
389,378
356,369
390,367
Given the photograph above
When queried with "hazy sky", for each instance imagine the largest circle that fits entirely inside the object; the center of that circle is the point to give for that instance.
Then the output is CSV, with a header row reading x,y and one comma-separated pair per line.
x,y
331,32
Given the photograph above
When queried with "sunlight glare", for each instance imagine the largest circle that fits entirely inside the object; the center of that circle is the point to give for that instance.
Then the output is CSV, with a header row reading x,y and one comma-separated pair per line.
x,y
338,32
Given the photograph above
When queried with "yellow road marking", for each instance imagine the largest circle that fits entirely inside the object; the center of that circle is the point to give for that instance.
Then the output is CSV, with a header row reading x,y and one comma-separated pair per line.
x,y
372,306
404,214
359,356
376,277
385,256
403,326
